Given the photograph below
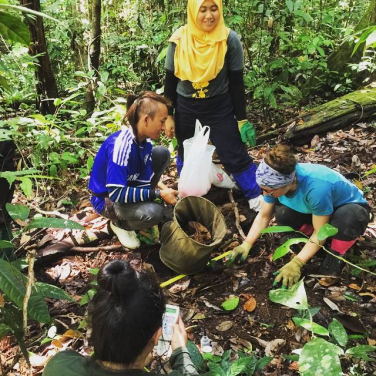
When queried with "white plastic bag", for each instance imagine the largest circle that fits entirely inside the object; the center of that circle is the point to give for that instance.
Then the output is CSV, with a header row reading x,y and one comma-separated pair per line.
x,y
219,178
195,175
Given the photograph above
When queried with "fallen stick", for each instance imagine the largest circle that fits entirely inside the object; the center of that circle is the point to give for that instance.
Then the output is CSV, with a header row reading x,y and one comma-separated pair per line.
x,y
236,211
117,247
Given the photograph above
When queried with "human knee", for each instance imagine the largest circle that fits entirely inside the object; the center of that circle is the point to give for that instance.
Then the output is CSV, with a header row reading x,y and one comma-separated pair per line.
x,y
161,155
351,221
152,214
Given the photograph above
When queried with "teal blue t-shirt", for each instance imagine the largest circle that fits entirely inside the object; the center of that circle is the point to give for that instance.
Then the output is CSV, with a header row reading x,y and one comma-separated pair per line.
x,y
319,191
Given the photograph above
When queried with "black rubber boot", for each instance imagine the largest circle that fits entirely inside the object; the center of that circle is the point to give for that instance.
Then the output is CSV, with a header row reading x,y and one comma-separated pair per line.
x,y
331,266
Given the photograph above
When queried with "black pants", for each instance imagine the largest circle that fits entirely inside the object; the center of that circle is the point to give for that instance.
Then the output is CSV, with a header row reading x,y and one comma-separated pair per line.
x,y
351,220
142,215
218,114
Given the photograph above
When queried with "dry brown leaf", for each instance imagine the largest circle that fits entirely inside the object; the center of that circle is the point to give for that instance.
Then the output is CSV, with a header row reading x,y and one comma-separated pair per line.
x,y
274,347
178,287
250,305
294,366
367,294
328,281
225,325
37,360
355,287
371,342
301,122
70,333
198,316
246,296
2,301
57,343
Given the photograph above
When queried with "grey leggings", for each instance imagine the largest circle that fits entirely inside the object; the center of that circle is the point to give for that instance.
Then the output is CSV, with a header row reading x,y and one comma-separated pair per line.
x,y
141,215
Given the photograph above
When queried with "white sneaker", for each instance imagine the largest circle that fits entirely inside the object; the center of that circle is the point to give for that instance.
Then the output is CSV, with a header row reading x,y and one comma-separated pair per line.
x,y
128,239
255,203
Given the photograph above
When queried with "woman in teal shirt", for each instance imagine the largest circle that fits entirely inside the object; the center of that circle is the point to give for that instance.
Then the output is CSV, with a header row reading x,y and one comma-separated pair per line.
x,y
305,197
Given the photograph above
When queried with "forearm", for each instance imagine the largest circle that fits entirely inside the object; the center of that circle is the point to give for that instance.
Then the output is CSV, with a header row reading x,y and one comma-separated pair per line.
x,y
181,361
237,91
171,83
128,195
310,248
260,223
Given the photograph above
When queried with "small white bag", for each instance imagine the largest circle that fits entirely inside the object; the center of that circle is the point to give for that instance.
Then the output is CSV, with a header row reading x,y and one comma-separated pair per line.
x,y
219,178
195,175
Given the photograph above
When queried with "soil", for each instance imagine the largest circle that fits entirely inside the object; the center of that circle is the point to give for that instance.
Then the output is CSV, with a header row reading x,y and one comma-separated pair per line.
x,y
200,296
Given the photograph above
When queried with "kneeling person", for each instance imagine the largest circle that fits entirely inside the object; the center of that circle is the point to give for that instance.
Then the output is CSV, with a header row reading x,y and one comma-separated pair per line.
x,y
126,172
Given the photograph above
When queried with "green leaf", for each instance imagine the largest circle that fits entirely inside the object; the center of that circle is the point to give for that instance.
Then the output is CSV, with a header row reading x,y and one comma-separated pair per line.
x,y
307,18
13,284
88,297
50,291
196,356
215,370
326,231
242,365
285,247
337,330
310,325
211,358
230,304
13,318
17,211
319,357
361,351
162,54
27,10
54,223
5,244
290,5
26,185
4,330
263,362
274,229
53,170
13,29
294,297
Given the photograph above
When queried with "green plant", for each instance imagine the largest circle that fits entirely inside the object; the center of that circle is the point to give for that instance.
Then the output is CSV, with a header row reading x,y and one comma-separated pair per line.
x,y
319,356
244,364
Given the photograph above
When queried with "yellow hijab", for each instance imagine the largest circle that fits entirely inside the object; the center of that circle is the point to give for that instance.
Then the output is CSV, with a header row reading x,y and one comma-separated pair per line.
x,y
199,55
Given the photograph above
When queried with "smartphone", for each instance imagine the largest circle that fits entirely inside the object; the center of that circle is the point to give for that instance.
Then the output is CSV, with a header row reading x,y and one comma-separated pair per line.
x,y
170,318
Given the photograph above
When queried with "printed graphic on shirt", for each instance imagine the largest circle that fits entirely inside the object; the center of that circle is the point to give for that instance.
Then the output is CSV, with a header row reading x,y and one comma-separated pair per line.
x,y
201,91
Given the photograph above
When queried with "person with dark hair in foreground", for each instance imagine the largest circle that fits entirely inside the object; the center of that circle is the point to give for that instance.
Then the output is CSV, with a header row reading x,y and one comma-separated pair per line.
x,y
305,197
126,317
125,179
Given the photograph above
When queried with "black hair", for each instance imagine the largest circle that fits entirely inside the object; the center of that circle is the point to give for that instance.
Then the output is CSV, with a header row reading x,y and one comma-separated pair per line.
x,y
146,103
125,312
281,159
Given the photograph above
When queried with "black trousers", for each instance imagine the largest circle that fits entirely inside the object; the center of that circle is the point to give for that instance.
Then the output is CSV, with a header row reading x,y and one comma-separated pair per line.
x,y
351,220
218,114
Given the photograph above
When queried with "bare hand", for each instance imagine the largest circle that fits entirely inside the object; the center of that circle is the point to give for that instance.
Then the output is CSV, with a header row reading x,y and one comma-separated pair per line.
x,y
169,195
170,127
179,338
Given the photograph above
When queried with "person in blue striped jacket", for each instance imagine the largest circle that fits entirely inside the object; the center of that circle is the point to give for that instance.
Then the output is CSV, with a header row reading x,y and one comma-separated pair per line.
x,y
124,183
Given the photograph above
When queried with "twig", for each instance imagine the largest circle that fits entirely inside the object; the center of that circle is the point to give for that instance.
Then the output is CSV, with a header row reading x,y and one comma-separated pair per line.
x,y
236,211
29,285
117,247
56,213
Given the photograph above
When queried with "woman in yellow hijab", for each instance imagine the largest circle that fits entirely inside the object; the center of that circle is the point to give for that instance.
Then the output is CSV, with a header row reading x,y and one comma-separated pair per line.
x,y
204,81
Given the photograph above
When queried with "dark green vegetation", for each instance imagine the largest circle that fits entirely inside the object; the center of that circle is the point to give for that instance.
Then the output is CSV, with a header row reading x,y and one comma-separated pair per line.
x,y
63,80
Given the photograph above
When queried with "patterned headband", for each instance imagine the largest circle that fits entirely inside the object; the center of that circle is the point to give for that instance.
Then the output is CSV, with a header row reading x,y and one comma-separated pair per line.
x,y
266,176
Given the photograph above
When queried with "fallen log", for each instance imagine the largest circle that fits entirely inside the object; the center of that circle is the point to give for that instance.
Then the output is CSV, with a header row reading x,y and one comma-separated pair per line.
x,y
339,113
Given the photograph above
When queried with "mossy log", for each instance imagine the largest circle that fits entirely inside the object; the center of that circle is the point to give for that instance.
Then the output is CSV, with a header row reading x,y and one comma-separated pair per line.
x,y
339,113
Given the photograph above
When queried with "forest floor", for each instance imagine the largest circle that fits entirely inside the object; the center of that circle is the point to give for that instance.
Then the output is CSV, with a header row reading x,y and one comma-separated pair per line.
x,y
263,327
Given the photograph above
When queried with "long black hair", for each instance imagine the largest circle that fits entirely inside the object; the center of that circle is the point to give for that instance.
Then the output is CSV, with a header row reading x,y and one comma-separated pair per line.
x,y
125,312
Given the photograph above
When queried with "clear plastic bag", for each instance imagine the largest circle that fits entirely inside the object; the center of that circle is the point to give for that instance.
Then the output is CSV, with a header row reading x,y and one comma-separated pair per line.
x,y
195,175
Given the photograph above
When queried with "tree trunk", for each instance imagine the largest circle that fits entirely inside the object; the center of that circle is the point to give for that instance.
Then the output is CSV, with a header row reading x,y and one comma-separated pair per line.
x,y
46,86
337,114
94,53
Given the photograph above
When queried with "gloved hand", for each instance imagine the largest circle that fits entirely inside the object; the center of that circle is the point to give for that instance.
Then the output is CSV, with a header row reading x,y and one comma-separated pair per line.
x,y
290,273
247,132
241,250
